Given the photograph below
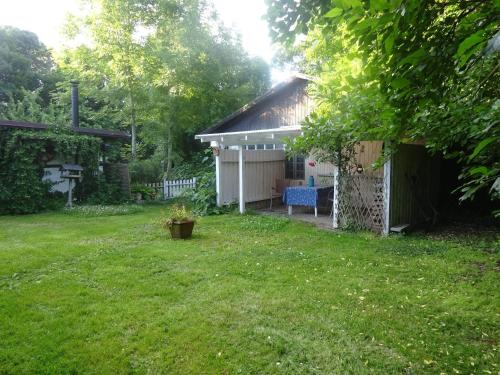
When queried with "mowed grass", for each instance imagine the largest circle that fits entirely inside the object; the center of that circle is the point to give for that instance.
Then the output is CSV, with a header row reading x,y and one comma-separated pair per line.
x,y
247,295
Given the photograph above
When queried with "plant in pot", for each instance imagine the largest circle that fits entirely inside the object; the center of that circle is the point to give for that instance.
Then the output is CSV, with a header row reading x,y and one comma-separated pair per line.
x,y
179,222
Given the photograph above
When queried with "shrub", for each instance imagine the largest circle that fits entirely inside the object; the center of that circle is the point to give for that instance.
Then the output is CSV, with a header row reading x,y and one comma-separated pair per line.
x,y
148,193
177,214
203,199
144,171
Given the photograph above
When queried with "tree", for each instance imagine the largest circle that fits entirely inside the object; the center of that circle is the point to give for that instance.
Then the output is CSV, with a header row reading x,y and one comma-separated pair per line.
x,y
114,29
425,66
25,64
199,75
177,67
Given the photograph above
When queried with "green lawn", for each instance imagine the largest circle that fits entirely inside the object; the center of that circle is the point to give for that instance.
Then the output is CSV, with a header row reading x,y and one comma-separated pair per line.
x,y
248,294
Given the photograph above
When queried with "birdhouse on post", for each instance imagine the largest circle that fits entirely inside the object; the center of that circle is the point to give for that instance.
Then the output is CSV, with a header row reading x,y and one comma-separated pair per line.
x,y
71,172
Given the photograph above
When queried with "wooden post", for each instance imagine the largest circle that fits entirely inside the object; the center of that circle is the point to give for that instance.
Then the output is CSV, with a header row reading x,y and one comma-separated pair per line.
x,y
387,195
241,169
70,193
335,208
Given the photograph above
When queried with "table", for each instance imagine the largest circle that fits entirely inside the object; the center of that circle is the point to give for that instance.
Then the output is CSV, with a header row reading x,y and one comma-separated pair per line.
x,y
305,196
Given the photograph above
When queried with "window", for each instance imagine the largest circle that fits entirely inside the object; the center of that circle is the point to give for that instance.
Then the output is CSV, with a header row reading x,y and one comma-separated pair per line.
x,y
295,168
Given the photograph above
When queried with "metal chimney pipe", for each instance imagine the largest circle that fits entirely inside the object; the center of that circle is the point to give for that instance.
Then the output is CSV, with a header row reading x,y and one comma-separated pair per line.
x,y
75,121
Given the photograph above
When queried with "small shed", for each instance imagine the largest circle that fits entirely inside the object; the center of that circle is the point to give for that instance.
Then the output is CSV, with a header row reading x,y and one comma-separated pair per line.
x,y
53,166
250,157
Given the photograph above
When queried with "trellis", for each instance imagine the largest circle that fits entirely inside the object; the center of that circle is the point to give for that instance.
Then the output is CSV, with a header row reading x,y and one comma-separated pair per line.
x,y
361,202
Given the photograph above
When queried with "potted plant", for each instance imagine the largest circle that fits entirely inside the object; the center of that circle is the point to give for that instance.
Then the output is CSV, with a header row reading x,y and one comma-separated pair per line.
x,y
179,222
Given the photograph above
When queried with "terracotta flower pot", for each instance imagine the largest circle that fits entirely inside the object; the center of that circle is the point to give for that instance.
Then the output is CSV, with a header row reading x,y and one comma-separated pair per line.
x,y
181,229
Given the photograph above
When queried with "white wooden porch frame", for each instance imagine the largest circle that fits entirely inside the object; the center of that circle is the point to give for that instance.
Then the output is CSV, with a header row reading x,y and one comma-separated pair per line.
x,y
335,208
218,181
241,174
387,196
241,139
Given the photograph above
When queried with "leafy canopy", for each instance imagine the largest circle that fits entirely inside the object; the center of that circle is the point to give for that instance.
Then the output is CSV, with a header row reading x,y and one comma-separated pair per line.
x,y
423,69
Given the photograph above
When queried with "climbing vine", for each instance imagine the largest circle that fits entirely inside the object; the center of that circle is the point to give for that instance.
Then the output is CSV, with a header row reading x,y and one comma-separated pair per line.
x,y
23,156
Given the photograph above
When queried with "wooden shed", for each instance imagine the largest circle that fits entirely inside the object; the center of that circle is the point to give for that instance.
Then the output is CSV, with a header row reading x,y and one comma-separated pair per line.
x,y
250,159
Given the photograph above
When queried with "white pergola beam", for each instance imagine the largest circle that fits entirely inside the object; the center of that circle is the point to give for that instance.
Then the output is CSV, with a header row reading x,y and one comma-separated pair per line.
x,y
251,137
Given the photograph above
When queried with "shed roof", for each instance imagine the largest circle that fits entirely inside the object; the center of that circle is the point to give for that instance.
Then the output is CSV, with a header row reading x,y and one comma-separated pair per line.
x,y
102,133
223,125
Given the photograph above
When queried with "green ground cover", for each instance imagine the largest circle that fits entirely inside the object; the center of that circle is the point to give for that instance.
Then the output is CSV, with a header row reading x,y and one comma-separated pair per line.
x,y
248,294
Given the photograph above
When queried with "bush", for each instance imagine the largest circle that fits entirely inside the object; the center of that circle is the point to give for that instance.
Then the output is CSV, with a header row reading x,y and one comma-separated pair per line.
x,y
203,199
144,171
198,166
148,193
177,214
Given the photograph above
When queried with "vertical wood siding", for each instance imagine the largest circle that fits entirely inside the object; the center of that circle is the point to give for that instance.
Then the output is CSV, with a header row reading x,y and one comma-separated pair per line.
x,y
289,108
367,153
318,170
262,168
414,182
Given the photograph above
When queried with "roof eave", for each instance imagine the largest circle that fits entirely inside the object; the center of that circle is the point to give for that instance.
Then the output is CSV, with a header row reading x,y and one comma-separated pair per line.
x,y
270,93
266,136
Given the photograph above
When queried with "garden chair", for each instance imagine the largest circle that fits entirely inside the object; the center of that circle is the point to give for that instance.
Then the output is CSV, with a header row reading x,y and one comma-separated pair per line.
x,y
277,190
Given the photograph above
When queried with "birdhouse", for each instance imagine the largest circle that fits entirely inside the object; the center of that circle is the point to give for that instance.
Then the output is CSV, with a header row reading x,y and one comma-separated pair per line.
x,y
71,171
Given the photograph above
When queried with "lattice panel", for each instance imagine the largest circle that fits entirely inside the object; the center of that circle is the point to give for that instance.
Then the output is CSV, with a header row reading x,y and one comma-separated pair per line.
x,y
361,202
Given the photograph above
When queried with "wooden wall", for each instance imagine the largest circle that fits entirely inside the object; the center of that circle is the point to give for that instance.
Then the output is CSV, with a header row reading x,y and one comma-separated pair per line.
x,y
367,153
262,168
287,108
414,182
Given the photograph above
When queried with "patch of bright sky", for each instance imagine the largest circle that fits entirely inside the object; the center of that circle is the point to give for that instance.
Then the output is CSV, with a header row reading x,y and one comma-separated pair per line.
x,y
46,17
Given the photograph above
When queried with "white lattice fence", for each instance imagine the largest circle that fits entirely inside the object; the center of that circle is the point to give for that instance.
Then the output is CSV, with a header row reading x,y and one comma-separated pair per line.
x,y
361,202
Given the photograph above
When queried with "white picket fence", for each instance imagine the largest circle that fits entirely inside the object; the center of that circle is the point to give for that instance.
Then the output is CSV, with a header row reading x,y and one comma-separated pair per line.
x,y
172,188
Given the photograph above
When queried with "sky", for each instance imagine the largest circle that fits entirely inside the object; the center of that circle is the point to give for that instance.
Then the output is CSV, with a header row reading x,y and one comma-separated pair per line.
x,y
46,17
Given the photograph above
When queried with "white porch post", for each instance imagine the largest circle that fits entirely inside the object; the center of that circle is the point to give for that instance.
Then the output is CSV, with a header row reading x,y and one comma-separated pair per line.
x,y
335,209
387,195
218,180
241,169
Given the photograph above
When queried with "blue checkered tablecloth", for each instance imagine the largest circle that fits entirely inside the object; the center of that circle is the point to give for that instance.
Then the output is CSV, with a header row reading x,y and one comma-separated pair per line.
x,y
305,195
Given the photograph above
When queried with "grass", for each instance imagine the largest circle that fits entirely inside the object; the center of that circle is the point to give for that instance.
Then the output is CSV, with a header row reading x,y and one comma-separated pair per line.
x,y
248,294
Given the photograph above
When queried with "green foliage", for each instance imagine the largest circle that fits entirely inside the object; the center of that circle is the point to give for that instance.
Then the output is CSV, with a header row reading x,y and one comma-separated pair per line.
x,y
22,190
425,74
147,193
146,171
21,186
203,199
197,166
170,68
175,215
25,64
